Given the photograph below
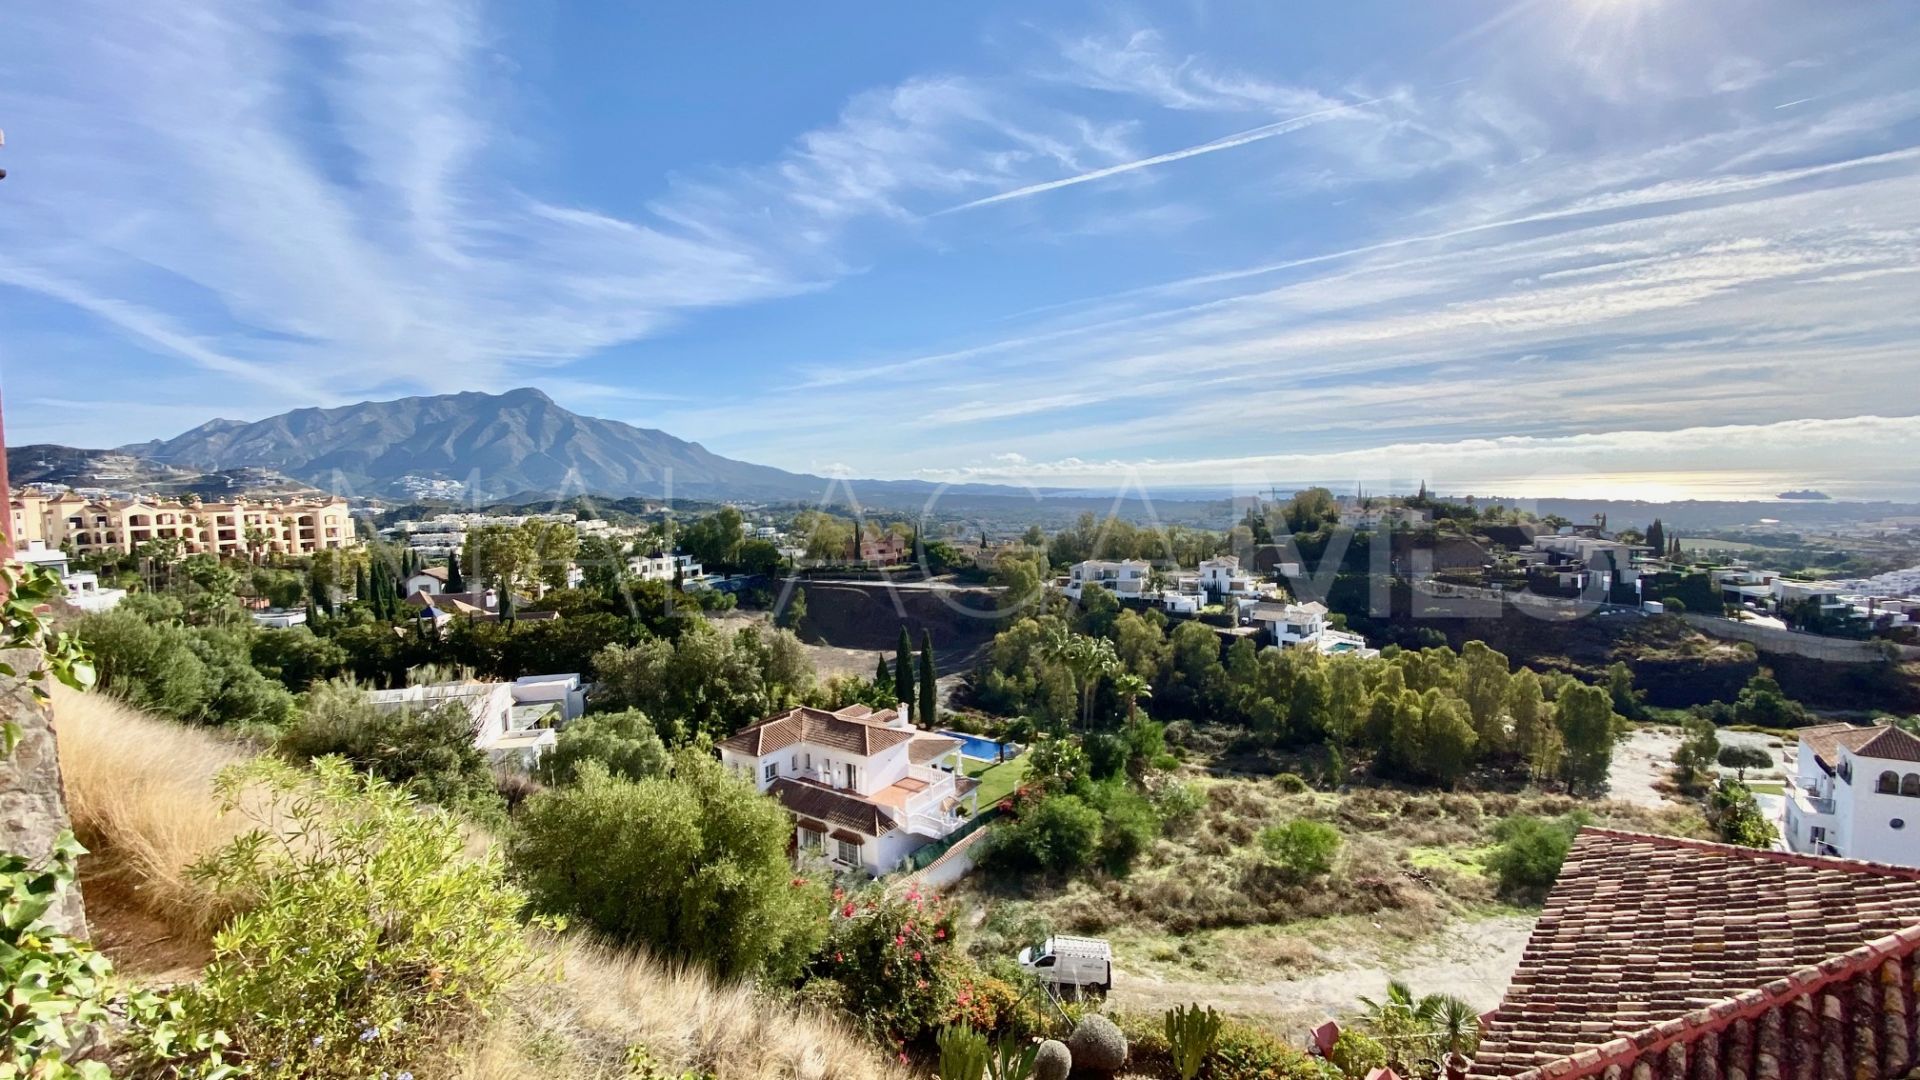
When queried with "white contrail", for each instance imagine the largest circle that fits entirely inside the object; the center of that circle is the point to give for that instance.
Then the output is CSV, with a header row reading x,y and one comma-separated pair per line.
x,y
1265,131
1791,104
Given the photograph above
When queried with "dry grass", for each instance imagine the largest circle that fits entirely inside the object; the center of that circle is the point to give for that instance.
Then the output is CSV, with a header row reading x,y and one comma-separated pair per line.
x,y
140,793
607,1000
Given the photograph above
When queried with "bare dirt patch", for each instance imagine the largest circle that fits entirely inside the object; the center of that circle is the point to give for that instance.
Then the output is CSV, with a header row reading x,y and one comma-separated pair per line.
x,y
1470,958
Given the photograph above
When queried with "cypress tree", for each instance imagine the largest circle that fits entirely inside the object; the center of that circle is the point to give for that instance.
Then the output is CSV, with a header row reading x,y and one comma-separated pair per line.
x,y
455,582
929,689
903,669
507,613
360,590
883,675
313,616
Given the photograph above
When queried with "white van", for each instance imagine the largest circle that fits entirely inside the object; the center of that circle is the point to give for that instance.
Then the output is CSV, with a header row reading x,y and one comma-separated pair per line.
x,y
1083,963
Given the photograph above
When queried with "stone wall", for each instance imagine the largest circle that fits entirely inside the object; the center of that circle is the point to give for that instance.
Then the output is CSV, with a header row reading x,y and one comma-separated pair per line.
x,y
33,808
1774,639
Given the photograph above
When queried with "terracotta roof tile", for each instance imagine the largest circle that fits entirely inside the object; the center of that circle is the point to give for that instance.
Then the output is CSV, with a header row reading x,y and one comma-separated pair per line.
x,y
811,800
1826,740
1651,941
865,733
1891,743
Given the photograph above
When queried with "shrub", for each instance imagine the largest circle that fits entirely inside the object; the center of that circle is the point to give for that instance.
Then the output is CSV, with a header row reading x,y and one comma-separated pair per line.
x,y
1302,848
369,940
1530,853
1290,783
1128,829
1176,804
1357,1054
431,749
625,742
1059,833
1052,1061
692,864
895,957
1097,1045
56,985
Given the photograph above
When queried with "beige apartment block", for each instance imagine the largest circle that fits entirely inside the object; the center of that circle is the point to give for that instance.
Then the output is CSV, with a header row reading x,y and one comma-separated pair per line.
x,y
241,528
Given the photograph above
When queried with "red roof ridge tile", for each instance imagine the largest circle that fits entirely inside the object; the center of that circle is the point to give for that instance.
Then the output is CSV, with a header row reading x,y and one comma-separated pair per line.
x,y
1723,1014
1789,858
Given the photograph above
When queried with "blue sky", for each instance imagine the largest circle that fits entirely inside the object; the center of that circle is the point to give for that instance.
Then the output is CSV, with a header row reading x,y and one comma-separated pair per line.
x,y
1619,246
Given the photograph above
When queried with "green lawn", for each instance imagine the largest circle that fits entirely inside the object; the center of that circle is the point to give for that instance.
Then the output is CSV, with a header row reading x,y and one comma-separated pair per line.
x,y
997,781
1767,787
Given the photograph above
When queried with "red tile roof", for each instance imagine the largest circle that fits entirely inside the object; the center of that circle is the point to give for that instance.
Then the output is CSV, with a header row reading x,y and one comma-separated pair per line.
x,y
855,729
1825,740
808,799
926,748
1892,743
1654,951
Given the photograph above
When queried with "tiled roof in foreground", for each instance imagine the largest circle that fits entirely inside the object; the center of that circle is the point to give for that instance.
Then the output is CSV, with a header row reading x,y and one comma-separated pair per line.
x,y
1661,958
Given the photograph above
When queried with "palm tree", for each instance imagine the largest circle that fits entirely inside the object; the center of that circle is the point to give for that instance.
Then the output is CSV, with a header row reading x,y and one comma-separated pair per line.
x,y
1131,688
1456,1025
1087,659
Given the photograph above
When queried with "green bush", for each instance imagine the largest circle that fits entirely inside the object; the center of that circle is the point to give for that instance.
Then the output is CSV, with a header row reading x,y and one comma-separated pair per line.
x,y
368,940
1356,1054
692,864
625,742
430,749
1055,834
149,657
1128,827
1302,848
57,986
1527,861
1291,783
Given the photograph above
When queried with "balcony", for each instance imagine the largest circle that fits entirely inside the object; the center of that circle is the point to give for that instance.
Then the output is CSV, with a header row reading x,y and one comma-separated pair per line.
x,y
1806,798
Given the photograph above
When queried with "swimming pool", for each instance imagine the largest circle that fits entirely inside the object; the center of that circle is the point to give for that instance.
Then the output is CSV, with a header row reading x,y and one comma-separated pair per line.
x,y
979,746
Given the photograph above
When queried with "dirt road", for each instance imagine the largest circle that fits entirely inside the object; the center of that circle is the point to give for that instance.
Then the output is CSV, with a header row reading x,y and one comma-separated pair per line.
x,y
1472,960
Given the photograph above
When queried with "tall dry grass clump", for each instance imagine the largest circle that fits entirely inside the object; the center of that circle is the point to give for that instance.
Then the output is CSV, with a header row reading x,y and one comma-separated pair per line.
x,y
140,792
608,1001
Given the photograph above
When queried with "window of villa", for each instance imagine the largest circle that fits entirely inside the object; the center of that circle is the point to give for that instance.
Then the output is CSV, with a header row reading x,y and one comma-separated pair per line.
x,y
812,841
849,853
1889,783
1910,784
773,769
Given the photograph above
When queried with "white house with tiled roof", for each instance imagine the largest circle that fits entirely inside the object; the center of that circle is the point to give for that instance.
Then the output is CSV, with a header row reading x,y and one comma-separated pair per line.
x,y
1855,793
865,788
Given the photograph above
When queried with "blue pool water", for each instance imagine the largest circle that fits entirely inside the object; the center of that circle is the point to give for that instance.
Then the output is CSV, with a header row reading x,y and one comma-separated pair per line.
x,y
979,746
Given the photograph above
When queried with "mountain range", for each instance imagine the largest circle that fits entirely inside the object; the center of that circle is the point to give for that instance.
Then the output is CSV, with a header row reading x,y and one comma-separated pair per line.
x,y
494,445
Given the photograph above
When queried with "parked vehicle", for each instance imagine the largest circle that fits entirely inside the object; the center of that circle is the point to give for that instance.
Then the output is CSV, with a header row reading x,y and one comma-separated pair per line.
x,y
1079,962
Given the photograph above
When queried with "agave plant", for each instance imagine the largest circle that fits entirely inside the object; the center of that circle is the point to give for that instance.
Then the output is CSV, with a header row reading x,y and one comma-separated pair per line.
x,y
1012,1059
963,1053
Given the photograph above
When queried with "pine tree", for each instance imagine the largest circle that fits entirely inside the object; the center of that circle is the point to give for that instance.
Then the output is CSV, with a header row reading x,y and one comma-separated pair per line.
x,y
455,582
903,669
929,689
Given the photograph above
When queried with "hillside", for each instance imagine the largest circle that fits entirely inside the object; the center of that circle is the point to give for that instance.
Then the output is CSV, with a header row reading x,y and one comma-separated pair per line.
x,y
140,793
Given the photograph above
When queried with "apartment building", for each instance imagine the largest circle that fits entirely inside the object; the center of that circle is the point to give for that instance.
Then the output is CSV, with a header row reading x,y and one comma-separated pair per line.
x,y
241,528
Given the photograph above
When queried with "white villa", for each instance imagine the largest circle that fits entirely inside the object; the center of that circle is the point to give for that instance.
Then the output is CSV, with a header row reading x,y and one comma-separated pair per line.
x,y
1124,578
1856,794
865,787
1304,626
515,733
660,566
1219,580
83,586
